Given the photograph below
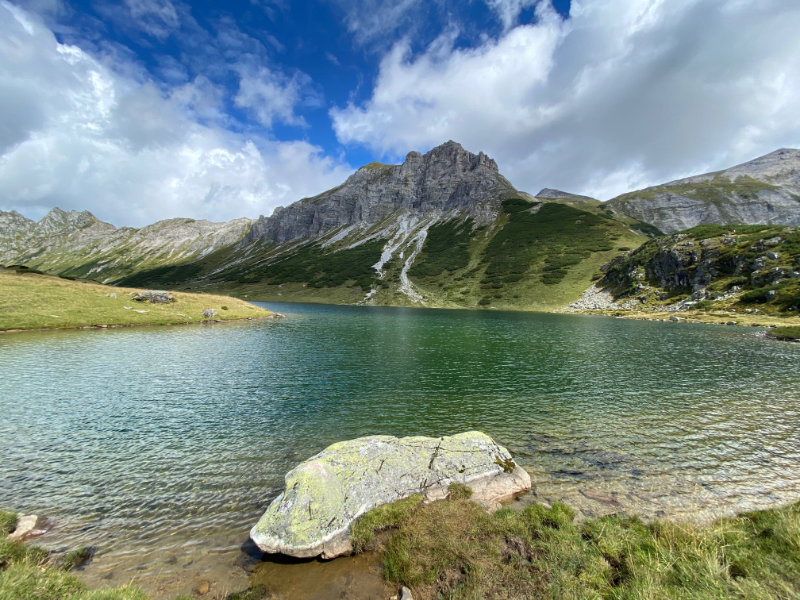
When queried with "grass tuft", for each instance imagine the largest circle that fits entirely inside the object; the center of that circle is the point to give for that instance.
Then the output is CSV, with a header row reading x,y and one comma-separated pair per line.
x,y
455,549
381,518
8,522
24,573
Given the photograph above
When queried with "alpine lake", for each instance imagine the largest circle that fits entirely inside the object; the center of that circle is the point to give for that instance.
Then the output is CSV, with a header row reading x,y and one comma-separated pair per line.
x,y
161,446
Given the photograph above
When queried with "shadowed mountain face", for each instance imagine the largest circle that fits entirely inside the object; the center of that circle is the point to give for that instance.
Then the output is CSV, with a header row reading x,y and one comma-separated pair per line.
x,y
763,191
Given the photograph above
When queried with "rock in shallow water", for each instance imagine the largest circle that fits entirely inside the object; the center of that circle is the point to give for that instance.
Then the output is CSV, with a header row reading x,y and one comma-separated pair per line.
x,y
326,493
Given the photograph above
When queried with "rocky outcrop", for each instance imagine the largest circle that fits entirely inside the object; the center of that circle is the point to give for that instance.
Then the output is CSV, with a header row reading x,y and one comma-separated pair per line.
x,y
446,179
762,191
154,297
325,494
758,265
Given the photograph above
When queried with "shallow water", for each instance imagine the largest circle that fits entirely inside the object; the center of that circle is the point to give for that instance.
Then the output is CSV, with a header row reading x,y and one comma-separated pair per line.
x,y
162,446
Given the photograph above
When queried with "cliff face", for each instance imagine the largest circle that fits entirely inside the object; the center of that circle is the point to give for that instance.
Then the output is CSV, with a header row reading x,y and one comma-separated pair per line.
x,y
446,179
762,191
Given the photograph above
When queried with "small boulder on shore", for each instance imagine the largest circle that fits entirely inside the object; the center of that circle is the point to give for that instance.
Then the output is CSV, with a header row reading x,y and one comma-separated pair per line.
x,y
28,526
325,494
154,297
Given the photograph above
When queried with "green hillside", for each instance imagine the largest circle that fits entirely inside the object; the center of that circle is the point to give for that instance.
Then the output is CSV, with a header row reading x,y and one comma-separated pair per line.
x,y
750,267
535,255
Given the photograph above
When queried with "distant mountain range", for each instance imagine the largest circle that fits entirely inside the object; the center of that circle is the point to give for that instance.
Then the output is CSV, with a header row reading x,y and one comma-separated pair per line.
x,y
441,229
764,191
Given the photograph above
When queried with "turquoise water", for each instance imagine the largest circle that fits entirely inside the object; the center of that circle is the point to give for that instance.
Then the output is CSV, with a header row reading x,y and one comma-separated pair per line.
x,y
157,442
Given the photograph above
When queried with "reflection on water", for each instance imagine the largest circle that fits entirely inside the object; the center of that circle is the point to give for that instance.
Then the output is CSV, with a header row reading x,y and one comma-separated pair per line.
x,y
163,446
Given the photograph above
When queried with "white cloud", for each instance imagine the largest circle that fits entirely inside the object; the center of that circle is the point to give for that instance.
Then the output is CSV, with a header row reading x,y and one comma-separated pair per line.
x,y
155,17
77,135
270,96
371,21
623,94
509,10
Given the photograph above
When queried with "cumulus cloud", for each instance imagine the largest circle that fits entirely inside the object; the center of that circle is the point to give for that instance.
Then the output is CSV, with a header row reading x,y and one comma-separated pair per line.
x,y
620,95
75,134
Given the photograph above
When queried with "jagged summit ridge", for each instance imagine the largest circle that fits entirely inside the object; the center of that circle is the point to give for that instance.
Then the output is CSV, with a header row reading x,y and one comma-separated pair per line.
x,y
445,179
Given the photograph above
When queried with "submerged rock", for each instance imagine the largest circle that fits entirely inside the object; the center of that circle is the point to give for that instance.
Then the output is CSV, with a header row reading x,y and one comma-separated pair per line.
x,y
326,493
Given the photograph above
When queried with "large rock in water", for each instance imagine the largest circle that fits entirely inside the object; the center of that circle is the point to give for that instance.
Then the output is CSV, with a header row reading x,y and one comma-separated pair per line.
x,y
326,493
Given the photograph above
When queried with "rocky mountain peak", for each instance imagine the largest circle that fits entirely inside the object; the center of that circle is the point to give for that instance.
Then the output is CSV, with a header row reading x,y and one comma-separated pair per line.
x,y
59,221
445,179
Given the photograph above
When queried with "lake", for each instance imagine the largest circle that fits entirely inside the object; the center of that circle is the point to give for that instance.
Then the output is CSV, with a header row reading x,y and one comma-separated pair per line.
x,y
161,446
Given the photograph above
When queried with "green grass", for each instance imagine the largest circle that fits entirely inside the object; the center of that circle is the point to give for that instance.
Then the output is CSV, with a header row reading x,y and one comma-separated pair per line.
x,y
550,240
8,522
31,301
734,256
785,333
455,549
317,267
446,248
26,574
381,518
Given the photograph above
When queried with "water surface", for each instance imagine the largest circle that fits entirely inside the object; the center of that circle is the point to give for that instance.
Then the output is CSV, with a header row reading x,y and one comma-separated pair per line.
x,y
162,446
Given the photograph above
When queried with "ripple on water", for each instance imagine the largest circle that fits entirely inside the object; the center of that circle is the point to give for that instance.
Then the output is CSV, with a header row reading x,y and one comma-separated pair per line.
x,y
163,446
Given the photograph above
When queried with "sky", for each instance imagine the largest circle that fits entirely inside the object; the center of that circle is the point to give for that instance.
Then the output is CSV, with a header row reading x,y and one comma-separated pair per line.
x,y
141,110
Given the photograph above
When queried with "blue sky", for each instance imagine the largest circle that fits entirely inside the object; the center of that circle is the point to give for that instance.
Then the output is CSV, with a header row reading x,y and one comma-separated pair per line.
x,y
147,109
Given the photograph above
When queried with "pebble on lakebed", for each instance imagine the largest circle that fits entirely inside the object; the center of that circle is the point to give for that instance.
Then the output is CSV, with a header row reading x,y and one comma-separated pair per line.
x,y
325,494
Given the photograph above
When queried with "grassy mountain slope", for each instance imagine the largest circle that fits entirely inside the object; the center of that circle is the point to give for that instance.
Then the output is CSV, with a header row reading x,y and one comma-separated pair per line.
x,y
748,267
535,255
36,301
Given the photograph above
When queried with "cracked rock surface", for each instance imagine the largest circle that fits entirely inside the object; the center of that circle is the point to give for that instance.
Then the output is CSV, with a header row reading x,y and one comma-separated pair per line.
x,y
326,493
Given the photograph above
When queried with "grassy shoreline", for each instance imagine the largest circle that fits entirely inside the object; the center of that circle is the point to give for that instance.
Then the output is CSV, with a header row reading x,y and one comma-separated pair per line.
x,y
714,317
454,549
34,301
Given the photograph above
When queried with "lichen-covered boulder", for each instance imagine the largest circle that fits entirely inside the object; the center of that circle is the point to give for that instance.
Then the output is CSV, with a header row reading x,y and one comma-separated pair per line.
x,y
326,493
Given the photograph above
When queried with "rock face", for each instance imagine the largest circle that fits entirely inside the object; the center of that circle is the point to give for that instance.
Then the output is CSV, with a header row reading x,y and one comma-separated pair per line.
x,y
448,178
762,191
757,266
326,493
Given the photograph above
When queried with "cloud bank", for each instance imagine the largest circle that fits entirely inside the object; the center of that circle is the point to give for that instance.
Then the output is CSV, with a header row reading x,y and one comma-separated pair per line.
x,y
621,95
76,134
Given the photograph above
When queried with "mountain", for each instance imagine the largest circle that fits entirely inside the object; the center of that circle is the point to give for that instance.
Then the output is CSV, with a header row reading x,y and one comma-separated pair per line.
x,y
446,180
78,244
763,191
441,229
746,267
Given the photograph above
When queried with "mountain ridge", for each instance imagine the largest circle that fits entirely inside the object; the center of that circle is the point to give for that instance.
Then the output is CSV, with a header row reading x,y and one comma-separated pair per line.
x,y
765,190
444,228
